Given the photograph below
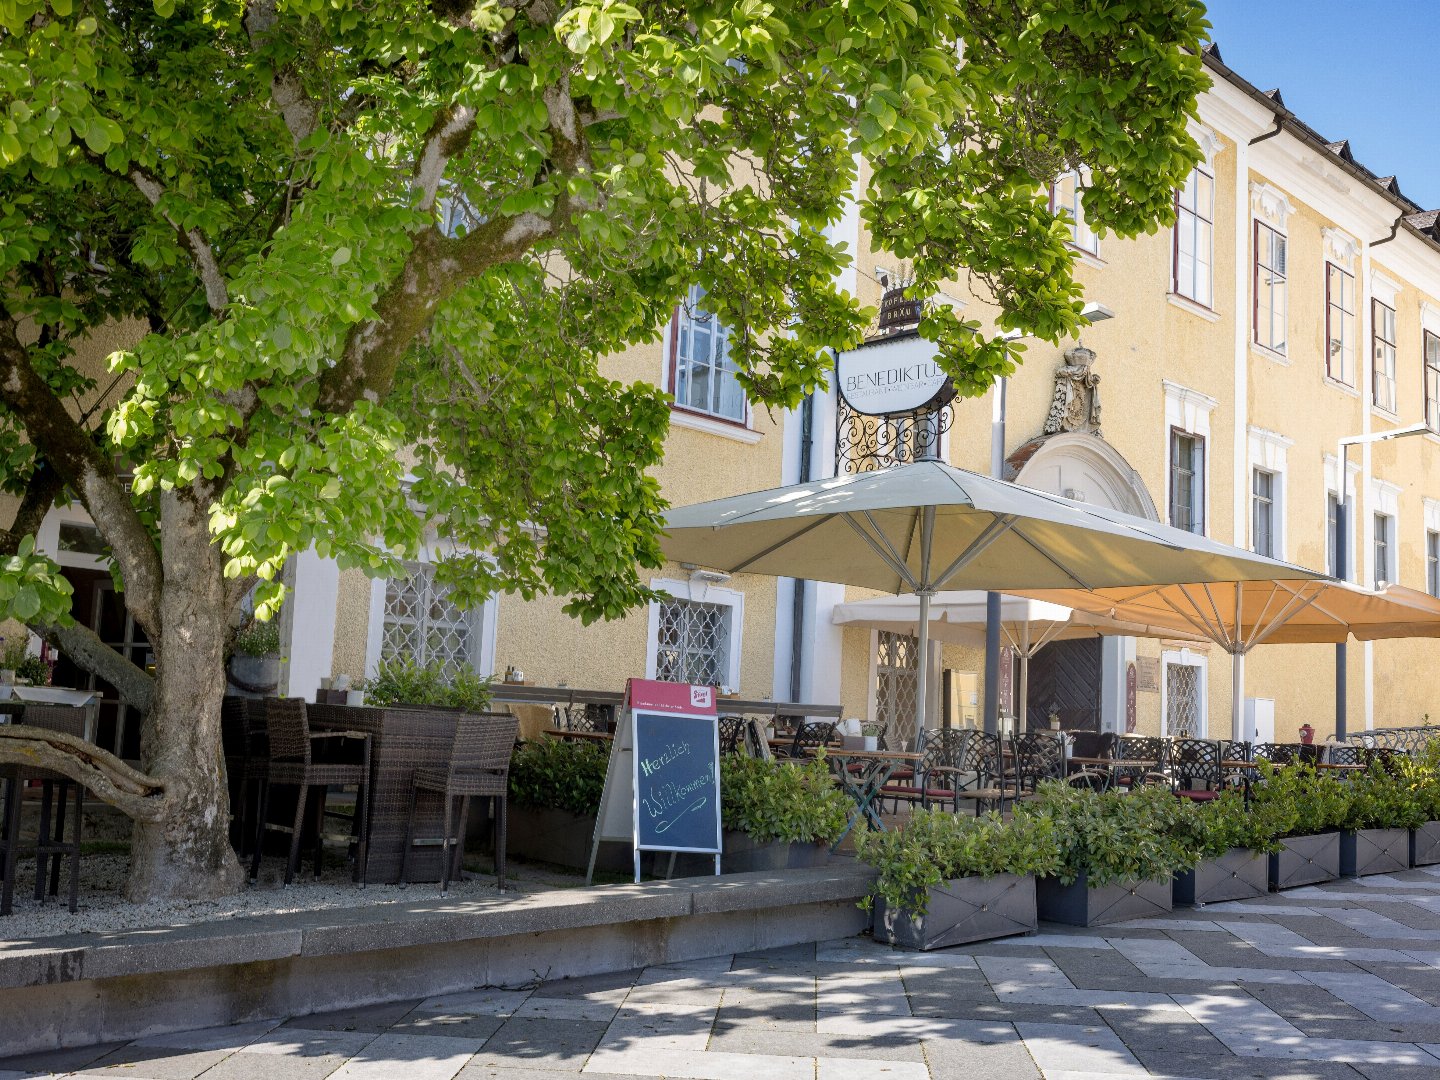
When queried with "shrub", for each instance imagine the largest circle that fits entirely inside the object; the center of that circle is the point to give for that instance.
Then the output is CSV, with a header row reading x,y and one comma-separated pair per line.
x,y
1421,771
1295,800
1113,836
1222,823
549,774
790,802
257,638
404,682
937,846
1381,799
26,665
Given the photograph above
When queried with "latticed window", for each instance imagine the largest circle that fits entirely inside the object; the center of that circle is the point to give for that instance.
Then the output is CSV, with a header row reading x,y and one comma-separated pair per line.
x,y
704,371
421,624
1182,701
897,681
692,642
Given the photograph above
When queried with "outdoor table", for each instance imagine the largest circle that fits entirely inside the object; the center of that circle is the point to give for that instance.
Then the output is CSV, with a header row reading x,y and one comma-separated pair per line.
x,y
863,784
581,736
1337,767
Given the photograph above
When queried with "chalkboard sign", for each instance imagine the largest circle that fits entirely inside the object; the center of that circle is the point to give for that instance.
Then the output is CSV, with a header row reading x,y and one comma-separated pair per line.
x,y
677,783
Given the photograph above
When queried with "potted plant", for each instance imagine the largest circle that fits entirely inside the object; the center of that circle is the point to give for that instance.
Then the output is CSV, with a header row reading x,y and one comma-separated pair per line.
x,y
1301,810
404,682
778,814
947,879
1119,852
23,665
555,792
1382,811
254,666
1421,770
1232,863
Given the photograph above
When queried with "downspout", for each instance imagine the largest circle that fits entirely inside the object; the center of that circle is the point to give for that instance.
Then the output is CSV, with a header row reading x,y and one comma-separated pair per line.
x,y
1394,232
1279,127
797,628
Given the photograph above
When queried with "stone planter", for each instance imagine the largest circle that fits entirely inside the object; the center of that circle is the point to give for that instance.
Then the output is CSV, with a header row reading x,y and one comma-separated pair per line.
x,y
254,675
1374,851
962,910
743,855
1239,874
1305,860
1081,905
1425,844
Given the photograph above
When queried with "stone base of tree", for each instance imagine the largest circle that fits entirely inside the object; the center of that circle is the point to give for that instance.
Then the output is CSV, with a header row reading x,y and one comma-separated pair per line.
x,y
1305,860
1239,874
1082,905
1425,844
962,910
1374,851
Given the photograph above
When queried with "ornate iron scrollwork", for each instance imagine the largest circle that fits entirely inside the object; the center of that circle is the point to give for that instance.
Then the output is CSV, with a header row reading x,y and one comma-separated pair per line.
x,y
868,443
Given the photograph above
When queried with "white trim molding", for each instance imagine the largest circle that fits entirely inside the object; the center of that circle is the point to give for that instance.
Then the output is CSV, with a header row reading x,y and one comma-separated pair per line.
x,y
1383,288
1340,247
483,625
709,593
1266,450
1270,203
1383,497
1430,317
1188,409
1185,658
1211,144
1432,514
682,418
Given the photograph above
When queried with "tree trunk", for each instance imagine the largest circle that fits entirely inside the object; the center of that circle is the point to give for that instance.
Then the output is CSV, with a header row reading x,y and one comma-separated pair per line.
x,y
186,854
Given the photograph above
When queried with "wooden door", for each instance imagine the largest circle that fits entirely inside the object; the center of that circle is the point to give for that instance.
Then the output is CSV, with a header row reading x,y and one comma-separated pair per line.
x,y
1065,678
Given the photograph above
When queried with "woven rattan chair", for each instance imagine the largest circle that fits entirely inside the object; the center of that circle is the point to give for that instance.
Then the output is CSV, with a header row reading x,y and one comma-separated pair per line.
x,y
247,760
479,768
291,763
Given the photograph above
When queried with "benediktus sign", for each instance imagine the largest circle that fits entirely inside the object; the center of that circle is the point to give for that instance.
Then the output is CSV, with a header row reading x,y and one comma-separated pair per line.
x,y
886,378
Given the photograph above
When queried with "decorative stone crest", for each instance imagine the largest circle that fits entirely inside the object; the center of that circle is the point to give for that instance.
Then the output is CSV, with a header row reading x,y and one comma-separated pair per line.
x,y
1076,405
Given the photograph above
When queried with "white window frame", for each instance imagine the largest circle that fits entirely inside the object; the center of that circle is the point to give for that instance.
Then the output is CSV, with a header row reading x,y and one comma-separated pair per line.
x,y
1266,341
1382,499
1268,452
1185,658
681,413
1432,525
1067,193
483,636
47,538
1189,410
1199,221
699,591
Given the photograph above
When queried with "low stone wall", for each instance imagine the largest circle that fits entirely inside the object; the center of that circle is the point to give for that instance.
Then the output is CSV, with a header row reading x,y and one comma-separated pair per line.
x,y
97,987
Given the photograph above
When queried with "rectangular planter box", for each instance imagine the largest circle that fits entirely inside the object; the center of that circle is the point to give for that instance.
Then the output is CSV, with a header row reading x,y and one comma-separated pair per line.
x,y
1239,874
743,855
962,910
1080,905
1425,844
1305,860
1374,851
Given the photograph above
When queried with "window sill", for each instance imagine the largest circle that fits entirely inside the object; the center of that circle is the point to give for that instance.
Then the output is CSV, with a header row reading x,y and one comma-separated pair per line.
x,y
1194,307
1336,384
711,426
1385,414
1087,258
1270,354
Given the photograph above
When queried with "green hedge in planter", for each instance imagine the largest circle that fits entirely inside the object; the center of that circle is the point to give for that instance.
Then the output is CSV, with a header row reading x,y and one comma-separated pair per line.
x,y
936,846
1421,771
404,682
1113,836
1379,799
1214,827
1296,800
788,802
552,775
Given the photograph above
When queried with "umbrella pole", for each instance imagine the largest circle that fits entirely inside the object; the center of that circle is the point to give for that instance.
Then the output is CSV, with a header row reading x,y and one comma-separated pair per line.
x,y
922,668
1237,695
1024,706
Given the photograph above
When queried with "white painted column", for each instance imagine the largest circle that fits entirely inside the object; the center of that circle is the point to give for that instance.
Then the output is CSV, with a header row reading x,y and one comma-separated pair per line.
x,y
1364,357
1243,230
311,614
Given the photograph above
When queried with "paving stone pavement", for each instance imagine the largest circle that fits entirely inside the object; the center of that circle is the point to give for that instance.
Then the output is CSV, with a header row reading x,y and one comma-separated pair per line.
x,y
1336,982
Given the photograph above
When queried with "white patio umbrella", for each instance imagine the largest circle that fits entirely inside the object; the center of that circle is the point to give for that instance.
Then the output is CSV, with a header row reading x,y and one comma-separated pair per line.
x,y
1027,625
922,527
1241,615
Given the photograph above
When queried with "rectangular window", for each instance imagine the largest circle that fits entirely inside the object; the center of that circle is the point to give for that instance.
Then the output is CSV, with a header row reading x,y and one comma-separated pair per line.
x,y
1432,562
1332,533
693,642
1340,324
1263,513
1271,267
1065,194
704,372
1383,347
1432,380
1194,237
1384,549
421,624
1187,481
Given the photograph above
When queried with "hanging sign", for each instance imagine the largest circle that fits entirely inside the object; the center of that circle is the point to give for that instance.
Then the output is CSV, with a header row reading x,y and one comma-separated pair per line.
x,y
886,377
1131,684
662,785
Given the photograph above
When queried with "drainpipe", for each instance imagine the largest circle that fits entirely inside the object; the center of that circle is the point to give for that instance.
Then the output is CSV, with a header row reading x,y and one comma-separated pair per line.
x,y
1394,231
797,628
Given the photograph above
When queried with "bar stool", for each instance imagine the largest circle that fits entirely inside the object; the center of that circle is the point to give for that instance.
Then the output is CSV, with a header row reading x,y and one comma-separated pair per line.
x,y
479,768
11,712
51,847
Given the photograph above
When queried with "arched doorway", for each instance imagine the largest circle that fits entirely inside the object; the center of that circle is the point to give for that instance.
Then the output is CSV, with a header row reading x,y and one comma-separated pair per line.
x,y
1083,682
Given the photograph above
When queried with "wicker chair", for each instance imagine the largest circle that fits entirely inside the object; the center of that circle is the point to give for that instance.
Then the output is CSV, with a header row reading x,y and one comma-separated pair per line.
x,y
291,763
11,712
247,759
479,768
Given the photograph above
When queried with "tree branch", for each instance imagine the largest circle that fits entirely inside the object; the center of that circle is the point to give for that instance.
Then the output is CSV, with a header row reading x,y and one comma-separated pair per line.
x,y
193,240
40,494
69,450
133,793
287,91
86,649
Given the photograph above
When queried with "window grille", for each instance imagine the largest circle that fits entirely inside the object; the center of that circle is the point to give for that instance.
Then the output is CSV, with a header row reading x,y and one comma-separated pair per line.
x,y
693,642
421,624
897,682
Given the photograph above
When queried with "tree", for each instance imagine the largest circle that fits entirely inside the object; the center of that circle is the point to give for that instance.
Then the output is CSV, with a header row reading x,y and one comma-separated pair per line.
x,y
332,231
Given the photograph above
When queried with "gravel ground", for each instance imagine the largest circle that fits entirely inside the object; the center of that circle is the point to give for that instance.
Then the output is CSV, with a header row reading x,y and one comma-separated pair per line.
x,y
103,908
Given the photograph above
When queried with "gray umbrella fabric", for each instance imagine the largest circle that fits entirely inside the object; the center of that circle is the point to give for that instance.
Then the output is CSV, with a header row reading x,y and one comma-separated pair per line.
x,y
929,526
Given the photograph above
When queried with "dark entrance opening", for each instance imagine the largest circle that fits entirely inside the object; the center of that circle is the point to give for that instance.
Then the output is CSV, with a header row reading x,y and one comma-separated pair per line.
x,y
97,605
1065,679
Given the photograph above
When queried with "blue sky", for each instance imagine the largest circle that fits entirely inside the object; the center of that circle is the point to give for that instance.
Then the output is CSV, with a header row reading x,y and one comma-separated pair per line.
x,y
1362,70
